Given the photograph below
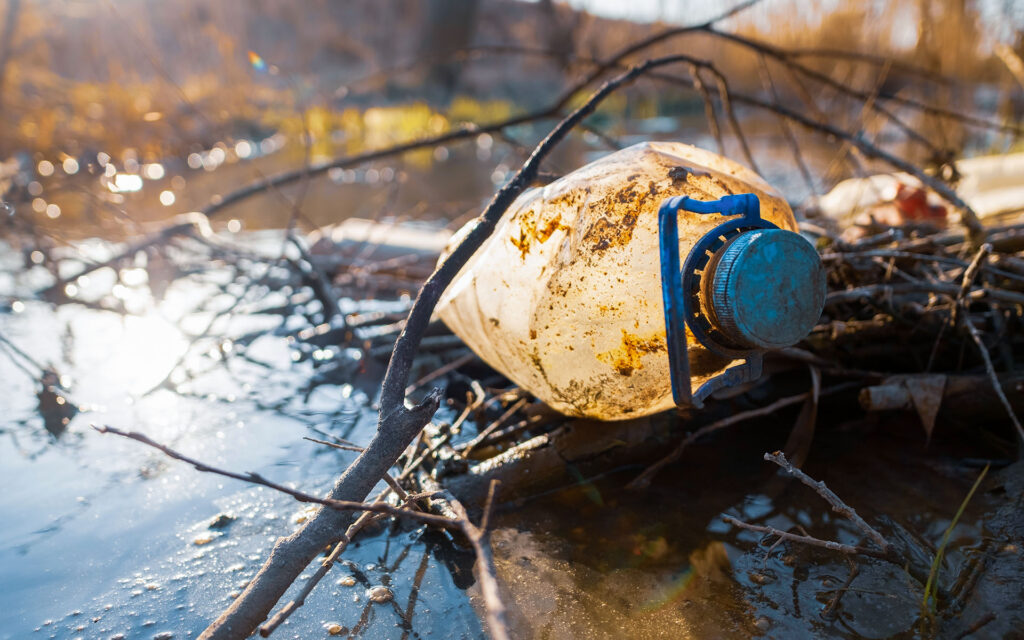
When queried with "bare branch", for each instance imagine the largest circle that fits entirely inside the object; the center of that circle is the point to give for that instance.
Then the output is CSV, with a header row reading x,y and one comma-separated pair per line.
x,y
838,505
808,540
301,496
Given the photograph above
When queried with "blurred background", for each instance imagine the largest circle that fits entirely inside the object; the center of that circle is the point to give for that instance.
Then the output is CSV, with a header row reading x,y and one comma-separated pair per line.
x,y
117,113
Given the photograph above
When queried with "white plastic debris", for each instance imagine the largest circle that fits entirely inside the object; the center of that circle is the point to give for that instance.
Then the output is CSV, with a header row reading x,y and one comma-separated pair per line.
x,y
565,297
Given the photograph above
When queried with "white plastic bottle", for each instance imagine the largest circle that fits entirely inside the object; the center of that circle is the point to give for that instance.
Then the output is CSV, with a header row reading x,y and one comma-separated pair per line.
x,y
565,298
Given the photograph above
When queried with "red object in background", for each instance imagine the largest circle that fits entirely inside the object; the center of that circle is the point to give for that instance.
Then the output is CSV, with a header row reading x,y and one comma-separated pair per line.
x,y
912,203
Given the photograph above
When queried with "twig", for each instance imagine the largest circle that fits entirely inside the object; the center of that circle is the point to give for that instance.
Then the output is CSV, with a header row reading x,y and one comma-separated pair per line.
x,y
472,444
828,611
484,566
709,107
875,291
991,371
301,496
968,280
300,599
838,505
437,373
333,445
808,540
978,624
787,130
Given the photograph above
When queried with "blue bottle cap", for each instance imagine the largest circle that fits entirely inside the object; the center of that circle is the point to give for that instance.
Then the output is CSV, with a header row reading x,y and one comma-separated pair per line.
x,y
766,289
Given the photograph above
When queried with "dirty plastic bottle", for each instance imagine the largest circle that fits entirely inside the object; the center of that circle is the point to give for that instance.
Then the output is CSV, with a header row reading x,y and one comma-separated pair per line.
x,y
567,296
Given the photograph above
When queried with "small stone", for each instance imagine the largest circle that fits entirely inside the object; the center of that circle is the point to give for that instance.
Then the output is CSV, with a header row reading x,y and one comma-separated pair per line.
x,y
204,538
334,629
760,578
763,624
152,586
347,581
220,521
164,635
379,595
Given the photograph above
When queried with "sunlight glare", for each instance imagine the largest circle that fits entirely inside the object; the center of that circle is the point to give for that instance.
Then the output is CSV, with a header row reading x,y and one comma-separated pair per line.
x,y
151,346
125,182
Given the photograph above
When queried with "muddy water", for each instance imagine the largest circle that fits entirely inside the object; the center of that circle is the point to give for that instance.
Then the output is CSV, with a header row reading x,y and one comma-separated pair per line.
x,y
597,561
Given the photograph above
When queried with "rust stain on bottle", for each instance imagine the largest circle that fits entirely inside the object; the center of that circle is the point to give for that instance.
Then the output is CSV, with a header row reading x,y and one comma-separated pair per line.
x,y
627,357
533,230
615,228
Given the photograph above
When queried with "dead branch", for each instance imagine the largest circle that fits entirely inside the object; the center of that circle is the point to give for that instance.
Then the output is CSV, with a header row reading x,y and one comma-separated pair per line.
x,y
301,496
808,540
300,599
830,497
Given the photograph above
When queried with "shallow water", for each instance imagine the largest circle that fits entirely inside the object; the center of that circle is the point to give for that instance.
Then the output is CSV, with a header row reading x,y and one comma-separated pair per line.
x,y
103,536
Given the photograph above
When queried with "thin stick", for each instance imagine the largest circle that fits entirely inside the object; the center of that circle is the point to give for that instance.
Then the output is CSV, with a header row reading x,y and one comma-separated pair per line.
x,y
328,563
838,505
472,444
830,609
437,373
874,291
808,540
484,566
301,496
991,371
333,445
709,108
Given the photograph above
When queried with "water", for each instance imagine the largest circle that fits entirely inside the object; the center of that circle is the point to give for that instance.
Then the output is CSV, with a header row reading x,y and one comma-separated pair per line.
x,y
112,530
103,536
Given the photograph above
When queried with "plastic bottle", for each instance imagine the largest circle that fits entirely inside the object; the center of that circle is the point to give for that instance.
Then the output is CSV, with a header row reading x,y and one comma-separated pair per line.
x,y
566,298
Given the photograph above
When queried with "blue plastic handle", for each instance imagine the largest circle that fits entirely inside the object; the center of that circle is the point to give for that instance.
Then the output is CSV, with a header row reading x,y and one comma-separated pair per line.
x,y
676,280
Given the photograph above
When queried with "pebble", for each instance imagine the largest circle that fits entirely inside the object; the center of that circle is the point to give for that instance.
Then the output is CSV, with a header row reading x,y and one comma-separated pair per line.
x,y
347,581
334,629
379,595
220,521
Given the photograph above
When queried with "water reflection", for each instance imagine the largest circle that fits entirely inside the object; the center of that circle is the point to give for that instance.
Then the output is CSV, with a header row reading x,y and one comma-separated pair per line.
x,y
54,407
